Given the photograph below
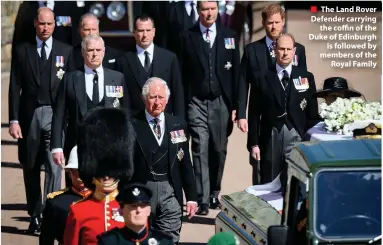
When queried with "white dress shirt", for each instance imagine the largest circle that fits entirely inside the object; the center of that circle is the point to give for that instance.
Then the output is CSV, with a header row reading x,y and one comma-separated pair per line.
x,y
141,54
280,72
89,76
212,32
189,9
48,46
160,117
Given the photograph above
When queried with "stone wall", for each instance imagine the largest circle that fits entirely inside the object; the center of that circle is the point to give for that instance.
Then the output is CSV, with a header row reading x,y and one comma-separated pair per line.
x,y
8,15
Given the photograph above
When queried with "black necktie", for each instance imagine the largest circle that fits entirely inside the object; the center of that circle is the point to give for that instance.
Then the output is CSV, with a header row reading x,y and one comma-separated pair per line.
x,y
192,13
43,53
156,127
285,79
95,97
147,61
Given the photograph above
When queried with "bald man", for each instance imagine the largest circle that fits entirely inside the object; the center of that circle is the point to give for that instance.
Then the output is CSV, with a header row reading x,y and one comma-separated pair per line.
x,y
282,110
89,25
36,72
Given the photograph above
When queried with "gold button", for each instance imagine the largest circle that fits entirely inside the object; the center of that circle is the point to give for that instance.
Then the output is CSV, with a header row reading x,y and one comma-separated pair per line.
x,y
107,224
107,218
107,212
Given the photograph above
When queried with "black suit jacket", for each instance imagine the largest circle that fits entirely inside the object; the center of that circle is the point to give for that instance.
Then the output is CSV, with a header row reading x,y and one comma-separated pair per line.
x,y
179,22
24,24
181,171
165,66
159,11
71,105
266,104
109,61
255,58
54,217
25,80
194,64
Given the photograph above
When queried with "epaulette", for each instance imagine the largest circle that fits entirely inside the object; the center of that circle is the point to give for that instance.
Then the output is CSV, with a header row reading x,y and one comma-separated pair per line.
x,y
81,200
56,193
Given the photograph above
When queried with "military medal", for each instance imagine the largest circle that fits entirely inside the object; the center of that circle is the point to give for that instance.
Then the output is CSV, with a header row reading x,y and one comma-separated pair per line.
x,y
152,241
303,104
180,154
116,215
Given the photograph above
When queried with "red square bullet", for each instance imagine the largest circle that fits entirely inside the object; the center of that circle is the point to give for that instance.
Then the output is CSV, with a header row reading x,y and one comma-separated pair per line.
x,y
314,9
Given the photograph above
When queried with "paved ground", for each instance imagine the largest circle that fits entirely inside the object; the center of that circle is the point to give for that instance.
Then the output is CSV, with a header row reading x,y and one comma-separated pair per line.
x,y
237,174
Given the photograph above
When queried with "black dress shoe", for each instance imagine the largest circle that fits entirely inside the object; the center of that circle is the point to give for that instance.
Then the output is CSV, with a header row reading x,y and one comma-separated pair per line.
x,y
34,226
203,209
214,203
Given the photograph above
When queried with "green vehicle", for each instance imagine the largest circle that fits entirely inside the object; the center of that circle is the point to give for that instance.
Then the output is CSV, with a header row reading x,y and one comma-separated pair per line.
x,y
333,196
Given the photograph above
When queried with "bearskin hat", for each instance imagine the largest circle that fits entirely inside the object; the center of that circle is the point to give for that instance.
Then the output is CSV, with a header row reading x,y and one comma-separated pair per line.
x,y
105,145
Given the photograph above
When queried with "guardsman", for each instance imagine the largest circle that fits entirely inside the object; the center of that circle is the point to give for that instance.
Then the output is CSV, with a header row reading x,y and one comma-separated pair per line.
x,y
105,156
134,200
58,203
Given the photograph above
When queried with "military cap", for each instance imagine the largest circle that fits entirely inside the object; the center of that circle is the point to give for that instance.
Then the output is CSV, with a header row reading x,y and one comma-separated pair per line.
x,y
369,129
105,145
223,238
134,193
73,160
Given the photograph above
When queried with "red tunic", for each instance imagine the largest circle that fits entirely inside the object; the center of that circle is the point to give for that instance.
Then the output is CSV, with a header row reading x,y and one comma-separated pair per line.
x,y
89,218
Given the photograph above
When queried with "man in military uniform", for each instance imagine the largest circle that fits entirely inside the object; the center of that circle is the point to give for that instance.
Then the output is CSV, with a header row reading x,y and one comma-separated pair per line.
x,y
58,203
105,156
134,201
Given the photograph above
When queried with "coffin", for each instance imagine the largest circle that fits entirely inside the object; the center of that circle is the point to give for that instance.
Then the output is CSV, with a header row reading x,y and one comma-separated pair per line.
x,y
248,216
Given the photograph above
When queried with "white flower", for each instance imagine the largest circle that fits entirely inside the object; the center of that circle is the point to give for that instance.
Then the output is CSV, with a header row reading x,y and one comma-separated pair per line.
x,y
342,112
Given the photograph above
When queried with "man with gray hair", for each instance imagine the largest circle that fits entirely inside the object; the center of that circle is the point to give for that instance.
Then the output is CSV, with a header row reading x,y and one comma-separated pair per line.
x,y
162,159
89,25
83,90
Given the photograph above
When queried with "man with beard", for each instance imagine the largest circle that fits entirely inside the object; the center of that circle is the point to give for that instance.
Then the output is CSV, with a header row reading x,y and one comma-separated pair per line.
x,y
36,73
259,56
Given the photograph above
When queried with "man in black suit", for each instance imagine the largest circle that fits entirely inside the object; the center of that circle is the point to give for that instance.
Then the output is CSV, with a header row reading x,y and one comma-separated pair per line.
x,y
81,91
209,57
258,56
36,72
162,159
149,60
282,108
89,24
182,16
67,15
